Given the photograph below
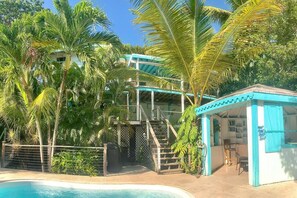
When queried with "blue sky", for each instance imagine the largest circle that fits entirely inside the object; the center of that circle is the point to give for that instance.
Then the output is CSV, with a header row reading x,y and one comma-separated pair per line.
x,y
121,18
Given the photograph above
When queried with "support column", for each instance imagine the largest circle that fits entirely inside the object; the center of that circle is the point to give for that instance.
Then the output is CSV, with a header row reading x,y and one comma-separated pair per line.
x,y
152,105
182,97
253,143
206,140
137,91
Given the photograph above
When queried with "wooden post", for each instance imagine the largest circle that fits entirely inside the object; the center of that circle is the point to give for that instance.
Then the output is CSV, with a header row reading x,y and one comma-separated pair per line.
x,y
105,160
3,154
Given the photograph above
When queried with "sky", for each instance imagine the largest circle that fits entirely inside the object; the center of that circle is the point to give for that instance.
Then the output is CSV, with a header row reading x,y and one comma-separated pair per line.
x,y
118,12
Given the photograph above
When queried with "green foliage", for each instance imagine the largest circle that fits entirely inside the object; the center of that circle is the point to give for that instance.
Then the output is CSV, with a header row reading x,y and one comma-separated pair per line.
x,y
180,32
77,163
14,9
140,156
267,52
186,143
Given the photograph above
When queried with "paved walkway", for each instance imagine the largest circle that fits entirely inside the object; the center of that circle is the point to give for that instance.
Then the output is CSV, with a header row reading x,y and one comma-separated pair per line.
x,y
223,183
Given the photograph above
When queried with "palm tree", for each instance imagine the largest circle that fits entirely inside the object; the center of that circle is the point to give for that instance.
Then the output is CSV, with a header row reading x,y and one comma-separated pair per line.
x,y
74,31
180,32
23,104
221,15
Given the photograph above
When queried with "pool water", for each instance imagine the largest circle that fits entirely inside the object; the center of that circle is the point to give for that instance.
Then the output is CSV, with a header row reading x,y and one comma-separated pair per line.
x,y
42,189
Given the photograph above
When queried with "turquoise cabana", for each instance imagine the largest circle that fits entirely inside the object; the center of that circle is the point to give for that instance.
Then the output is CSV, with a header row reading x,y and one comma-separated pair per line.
x,y
261,119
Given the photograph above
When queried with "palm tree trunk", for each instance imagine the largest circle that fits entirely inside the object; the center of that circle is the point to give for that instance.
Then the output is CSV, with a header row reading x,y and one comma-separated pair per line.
x,y
40,144
59,103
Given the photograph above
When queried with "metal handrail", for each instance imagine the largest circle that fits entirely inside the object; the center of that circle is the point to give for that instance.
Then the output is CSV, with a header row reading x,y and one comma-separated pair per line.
x,y
169,125
13,154
150,131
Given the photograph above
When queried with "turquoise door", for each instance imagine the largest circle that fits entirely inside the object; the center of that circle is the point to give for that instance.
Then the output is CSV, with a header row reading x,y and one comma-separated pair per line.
x,y
274,127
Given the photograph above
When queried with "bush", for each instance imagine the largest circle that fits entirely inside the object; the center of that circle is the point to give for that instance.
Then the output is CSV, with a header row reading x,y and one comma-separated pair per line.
x,y
77,163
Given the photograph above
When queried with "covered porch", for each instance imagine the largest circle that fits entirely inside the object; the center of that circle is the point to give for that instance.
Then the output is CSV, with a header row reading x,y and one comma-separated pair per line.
x,y
261,122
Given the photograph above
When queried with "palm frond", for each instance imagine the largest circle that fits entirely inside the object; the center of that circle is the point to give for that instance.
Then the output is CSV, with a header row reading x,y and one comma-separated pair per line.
x,y
84,10
236,3
43,105
217,14
165,27
214,58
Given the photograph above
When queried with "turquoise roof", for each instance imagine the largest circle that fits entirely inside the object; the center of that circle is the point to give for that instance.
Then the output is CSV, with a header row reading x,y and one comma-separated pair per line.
x,y
255,92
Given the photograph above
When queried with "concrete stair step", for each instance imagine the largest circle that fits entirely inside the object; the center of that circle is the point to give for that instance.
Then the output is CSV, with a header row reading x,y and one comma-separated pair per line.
x,y
172,171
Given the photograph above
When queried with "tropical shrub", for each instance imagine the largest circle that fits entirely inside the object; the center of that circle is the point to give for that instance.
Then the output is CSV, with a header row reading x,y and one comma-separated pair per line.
x,y
77,163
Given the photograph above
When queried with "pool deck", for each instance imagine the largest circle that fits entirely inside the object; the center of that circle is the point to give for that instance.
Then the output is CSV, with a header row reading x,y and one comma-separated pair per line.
x,y
223,183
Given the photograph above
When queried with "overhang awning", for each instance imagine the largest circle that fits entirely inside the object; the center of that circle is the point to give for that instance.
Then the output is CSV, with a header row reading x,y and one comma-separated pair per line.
x,y
255,92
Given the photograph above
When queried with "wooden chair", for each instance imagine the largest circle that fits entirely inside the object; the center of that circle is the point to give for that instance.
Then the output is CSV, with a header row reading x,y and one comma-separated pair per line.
x,y
227,150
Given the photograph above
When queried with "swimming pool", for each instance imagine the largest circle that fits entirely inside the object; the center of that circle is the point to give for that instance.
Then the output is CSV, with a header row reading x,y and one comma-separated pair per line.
x,y
47,189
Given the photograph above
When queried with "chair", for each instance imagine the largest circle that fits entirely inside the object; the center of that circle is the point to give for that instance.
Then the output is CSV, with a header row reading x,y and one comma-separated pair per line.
x,y
241,157
227,150
243,163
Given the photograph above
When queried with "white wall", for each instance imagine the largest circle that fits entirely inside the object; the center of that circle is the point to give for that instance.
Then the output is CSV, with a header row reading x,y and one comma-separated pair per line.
x,y
278,166
217,157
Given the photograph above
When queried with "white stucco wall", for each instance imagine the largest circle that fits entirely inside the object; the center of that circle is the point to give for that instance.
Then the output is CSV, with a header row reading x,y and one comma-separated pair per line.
x,y
217,157
278,166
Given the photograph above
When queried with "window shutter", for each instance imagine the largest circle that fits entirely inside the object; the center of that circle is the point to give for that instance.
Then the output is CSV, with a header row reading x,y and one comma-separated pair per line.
x,y
274,127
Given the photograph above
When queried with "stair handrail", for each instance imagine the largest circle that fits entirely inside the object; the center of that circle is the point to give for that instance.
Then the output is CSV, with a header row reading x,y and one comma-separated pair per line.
x,y
168,124
150,131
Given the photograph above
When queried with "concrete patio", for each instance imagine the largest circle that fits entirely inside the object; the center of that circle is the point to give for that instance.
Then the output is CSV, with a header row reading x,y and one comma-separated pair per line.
x,y
223,183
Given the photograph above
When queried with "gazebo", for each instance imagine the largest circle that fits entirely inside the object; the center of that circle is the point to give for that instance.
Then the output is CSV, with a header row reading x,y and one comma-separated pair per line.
x,y
262,118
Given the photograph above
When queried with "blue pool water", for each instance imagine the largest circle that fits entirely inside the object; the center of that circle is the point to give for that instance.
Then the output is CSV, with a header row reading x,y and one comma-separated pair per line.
x,y
41,189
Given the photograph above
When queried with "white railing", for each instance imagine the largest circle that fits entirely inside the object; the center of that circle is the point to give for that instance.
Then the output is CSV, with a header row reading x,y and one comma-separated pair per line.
x,y
170,128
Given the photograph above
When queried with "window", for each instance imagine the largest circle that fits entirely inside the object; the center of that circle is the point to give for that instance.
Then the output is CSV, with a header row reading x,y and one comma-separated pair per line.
x,y
216,132
290,122
61,59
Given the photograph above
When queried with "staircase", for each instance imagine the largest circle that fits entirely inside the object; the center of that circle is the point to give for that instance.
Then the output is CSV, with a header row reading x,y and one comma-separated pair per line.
x,y
169,162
